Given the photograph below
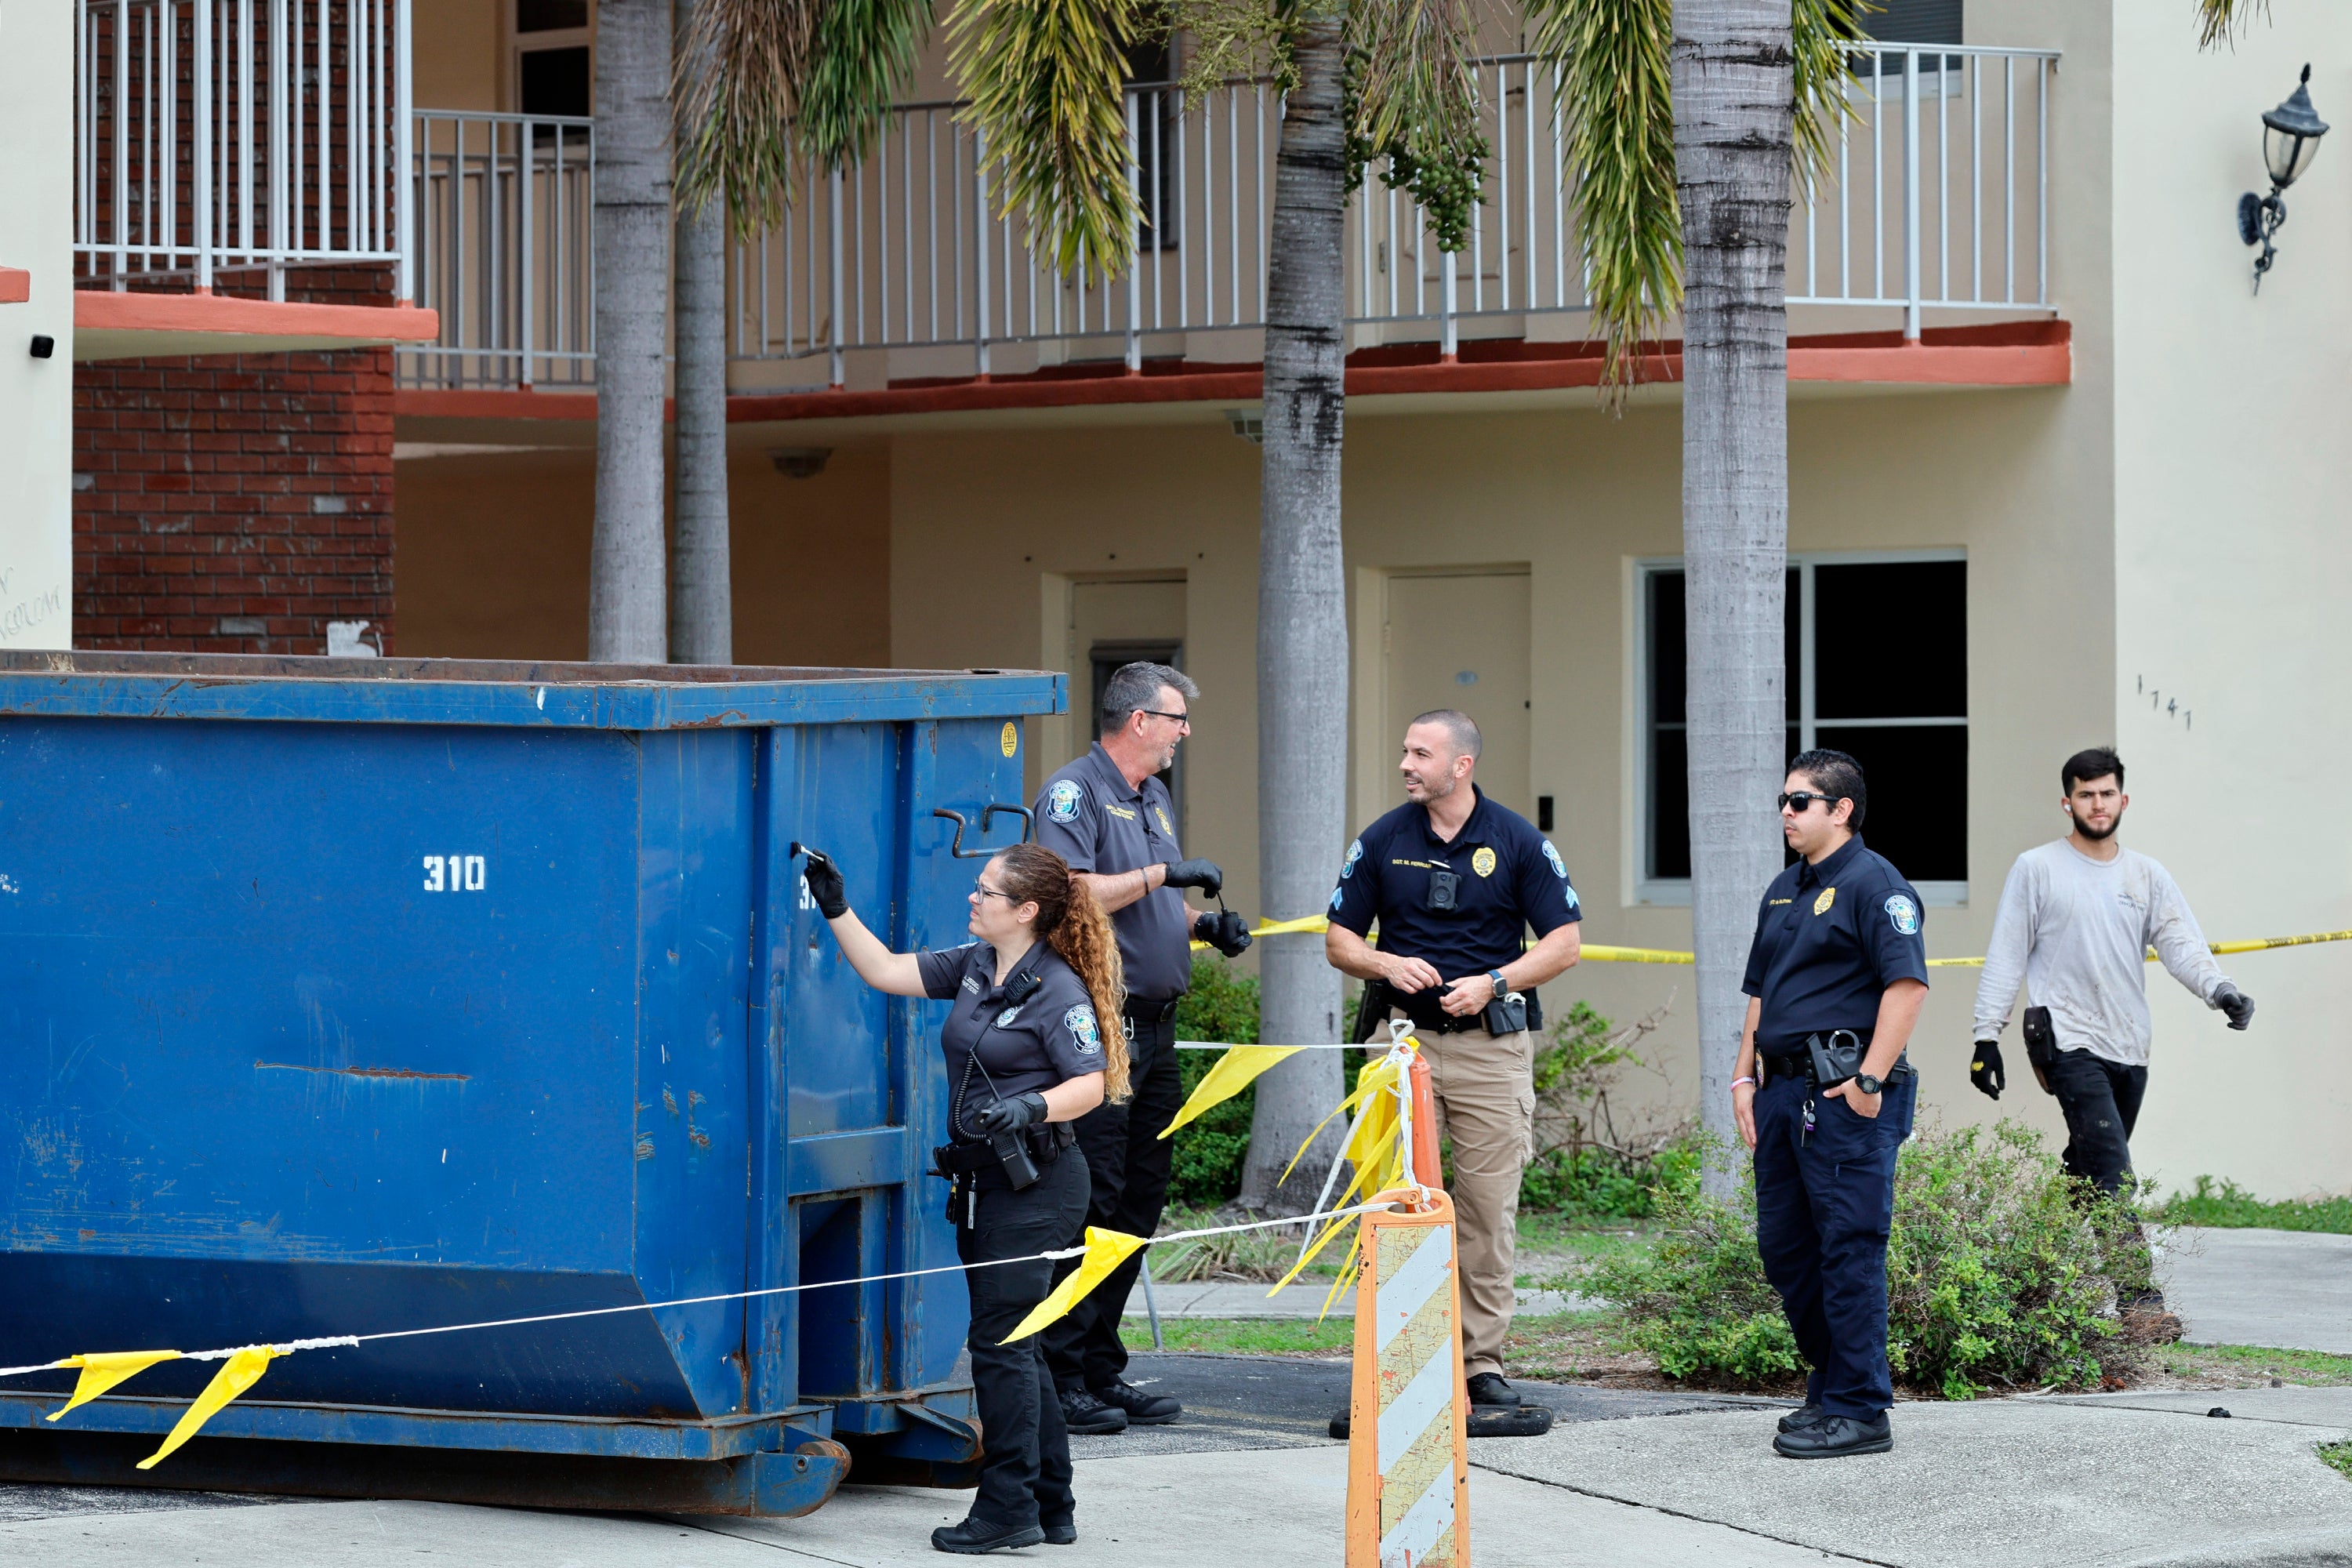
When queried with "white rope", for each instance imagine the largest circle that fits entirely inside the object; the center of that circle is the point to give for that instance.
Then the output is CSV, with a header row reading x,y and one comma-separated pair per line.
x,y
1228,1046
341,1339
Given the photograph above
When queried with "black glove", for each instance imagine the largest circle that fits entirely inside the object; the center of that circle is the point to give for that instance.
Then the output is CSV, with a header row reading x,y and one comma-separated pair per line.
x,y
1224,931
2237,1003
824,880
1985,1071
1205,875
1009,1115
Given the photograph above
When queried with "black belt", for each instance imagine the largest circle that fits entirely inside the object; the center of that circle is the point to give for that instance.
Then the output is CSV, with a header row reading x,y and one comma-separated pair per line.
x,y
966,1158
1151,1012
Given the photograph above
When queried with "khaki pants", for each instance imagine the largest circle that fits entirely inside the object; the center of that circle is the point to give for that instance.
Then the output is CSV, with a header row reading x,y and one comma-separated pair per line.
x,y
1485,1091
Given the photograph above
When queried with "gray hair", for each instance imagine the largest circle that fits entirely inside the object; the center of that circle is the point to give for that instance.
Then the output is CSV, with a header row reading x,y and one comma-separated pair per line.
x,y
1457,724
1137,685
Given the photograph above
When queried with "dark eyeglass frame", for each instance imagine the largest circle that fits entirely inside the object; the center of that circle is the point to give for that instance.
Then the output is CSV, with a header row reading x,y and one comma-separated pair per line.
x,y
1183,719
984,891
1802,799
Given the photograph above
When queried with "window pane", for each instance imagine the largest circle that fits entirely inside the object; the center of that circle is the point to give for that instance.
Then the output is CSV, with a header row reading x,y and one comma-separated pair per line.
x,y
555,81
550,16
1914,22
1669,806
1919,780
1891,641
1793,640
1665,649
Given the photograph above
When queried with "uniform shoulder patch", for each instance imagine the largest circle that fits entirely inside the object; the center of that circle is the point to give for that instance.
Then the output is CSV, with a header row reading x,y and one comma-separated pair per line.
x,y
1482,861
1355,853
1080,1021
1904,913
1558,866
1063,799
1821,905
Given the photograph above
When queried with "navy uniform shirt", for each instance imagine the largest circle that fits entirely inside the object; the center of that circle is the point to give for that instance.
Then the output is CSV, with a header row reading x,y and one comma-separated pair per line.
x,y
1829,940
1050,1038
1507,877
1091,816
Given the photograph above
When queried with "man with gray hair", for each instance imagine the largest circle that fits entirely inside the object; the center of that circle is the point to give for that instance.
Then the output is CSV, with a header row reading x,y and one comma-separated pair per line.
x,y
1109,815
1455,881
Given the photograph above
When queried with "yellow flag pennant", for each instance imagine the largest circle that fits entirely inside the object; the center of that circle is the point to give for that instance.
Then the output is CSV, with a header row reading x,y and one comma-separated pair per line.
x,y
1374,1077
236,1375
1105,1251
1234,1071
101,1370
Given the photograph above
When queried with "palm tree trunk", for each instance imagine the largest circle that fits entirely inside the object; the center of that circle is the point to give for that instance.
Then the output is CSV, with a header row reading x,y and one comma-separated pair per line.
x,y
1302,636
625,597
1733,92
701,605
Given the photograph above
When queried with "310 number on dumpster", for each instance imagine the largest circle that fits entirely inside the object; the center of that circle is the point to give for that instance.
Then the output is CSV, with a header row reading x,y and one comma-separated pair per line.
x,y
455,873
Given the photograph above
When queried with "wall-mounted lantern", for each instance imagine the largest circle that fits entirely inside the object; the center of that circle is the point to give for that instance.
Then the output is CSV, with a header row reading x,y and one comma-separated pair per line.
x,y
2291,134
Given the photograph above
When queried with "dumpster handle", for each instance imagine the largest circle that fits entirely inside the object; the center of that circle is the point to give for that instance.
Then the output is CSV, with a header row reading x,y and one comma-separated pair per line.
x,y
987,815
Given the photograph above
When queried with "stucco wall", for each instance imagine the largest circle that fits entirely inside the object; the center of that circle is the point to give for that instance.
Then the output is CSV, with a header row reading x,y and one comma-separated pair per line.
x,y
37,395
2233,564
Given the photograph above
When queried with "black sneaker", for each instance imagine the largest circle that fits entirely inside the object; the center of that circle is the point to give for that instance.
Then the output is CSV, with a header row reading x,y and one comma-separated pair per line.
x,y
1835,1437
1807,1415
1142,1409
1489,1388
1082,1412
976,1537
1061,1532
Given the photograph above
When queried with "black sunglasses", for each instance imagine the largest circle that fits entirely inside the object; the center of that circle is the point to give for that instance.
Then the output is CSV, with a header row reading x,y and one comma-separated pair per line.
x,y
1183,719
1803,799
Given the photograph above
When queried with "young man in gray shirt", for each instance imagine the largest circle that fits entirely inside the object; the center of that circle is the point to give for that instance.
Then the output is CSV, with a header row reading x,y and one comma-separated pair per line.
x,y
2076,922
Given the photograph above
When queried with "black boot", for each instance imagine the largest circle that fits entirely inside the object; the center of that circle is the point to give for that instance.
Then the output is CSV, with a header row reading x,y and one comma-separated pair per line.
x,y
1489,1388
1082,1412
1142,1409
976,1536
1835,1437
1808,1415
1060,1531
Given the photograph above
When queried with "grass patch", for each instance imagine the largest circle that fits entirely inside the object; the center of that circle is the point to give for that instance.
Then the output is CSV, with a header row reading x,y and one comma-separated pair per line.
x,y
2228,1207
2338,1457
2254,1364
1334,1336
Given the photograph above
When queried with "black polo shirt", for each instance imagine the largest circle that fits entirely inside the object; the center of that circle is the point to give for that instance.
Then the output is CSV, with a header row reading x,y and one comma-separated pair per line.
x,y
1507,877
1091,816
1829,940
1049,1038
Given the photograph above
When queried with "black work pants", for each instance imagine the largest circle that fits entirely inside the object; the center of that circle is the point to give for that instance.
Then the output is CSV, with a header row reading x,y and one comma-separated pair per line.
x,y
2101,1102
1824,1203
1025,1466
1129,1164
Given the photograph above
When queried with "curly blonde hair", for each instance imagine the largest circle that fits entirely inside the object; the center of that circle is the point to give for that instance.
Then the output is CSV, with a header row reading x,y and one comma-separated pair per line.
x,y
1075,926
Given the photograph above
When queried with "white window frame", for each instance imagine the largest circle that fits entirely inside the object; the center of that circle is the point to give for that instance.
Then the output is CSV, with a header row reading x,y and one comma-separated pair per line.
x,y
540,42
1676,891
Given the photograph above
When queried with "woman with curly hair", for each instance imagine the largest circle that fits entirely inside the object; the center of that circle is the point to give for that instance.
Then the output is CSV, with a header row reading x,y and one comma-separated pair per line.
x,y
1028,1054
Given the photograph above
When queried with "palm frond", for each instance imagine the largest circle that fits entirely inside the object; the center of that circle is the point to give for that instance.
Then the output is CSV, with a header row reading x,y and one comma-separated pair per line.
x,y
735,88
1046,81
2220,21
1416,102
1818,32
863,59
1616,101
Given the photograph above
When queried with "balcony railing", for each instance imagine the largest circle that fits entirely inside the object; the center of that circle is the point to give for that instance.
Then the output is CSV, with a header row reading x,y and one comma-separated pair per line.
x,y
1937,199
240,137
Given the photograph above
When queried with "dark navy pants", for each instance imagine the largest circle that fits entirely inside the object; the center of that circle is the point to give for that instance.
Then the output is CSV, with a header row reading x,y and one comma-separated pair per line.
x,y
1823,1208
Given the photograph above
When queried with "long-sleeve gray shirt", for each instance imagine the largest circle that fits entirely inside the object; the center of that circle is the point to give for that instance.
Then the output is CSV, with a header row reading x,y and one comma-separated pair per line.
x,y
2076,932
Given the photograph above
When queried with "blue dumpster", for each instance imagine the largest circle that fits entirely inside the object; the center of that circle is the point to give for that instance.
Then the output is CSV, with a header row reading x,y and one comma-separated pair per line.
x,y
344,996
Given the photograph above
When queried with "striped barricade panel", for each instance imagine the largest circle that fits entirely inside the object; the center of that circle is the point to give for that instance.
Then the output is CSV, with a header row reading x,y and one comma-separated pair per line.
x,y
1408,1461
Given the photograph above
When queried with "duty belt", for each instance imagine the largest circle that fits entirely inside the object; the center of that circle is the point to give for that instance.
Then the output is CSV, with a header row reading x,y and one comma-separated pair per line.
x,y
966,1158
1151,1012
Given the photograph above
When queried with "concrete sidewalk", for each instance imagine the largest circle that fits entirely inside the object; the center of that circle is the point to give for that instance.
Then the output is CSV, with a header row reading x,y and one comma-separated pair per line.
x,y
2288,1289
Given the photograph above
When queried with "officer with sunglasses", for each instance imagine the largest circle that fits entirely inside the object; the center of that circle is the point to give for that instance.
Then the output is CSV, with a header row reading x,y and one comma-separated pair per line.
x,y
1824,1096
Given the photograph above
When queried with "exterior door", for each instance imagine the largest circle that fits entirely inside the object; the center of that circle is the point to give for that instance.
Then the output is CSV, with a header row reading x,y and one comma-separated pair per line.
x,y
1459,639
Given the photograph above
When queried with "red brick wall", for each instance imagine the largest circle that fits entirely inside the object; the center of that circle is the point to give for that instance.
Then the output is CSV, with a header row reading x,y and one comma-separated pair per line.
x,y
233,503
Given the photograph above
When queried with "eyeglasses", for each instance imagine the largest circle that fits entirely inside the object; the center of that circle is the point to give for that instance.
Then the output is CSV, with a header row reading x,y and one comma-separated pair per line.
x,y
983,891
1800,801
1183,719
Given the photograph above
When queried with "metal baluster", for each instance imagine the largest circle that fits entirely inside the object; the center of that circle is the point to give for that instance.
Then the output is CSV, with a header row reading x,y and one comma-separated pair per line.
x,y
1878,173
1232,207
837,375
1943,178
2041,174
2009,177
1135,262
1976,178
1911,195
980,245
1257,189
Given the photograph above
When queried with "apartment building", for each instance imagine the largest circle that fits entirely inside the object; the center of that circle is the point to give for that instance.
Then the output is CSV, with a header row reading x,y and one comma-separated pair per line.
x,y
2059,475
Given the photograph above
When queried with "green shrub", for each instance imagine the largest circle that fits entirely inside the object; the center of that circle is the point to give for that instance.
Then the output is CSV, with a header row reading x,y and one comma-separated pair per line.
x,y
2232,1206
1583,1167
1221,1005
1595,1184
2002,1272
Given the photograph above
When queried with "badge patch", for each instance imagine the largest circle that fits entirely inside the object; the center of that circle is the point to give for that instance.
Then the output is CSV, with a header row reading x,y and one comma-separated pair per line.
x,y
1558,866
1062,800
1821,905
1482,861
1004,1019
1348,867
1905,914
1080,1021
1009,741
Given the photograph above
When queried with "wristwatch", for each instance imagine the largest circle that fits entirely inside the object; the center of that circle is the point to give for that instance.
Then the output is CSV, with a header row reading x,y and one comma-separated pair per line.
x,y
1867,1084
1495,978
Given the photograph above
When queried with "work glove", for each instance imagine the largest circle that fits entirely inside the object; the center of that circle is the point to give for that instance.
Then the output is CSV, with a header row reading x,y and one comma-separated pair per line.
x,y
1205,875
1985,1071
822,878
1224,931
1009,1115
2237,1003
